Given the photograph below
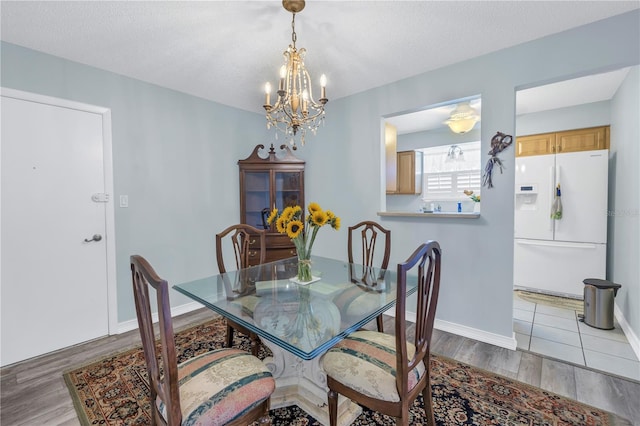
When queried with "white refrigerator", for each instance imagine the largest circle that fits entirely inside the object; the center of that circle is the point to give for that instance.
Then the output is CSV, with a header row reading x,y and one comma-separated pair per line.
x,y
555,255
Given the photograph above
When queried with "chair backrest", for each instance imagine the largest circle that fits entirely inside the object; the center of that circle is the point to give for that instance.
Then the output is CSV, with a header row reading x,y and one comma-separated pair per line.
x,y
242,238
165,385
427,258
369,232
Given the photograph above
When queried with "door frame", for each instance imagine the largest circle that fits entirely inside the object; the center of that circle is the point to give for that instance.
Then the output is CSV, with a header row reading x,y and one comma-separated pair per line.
x,y
107,158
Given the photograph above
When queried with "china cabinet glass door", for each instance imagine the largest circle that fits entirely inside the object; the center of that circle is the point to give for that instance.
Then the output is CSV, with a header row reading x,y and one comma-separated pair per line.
x,y
287,190
257,198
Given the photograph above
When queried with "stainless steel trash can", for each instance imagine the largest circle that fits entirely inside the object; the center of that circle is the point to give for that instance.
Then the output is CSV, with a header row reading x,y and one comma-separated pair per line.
x,y
598,302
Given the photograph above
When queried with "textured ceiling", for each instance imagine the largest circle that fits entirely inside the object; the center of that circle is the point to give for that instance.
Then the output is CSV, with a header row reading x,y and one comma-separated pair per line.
x,y
225,51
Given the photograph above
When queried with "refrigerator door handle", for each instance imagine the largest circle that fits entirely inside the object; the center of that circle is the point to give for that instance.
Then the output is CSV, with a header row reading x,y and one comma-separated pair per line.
x,y
556,244
558,177
552,179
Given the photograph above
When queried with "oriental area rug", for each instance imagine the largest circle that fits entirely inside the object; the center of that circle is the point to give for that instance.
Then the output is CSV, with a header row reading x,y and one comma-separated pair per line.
x,y
114,391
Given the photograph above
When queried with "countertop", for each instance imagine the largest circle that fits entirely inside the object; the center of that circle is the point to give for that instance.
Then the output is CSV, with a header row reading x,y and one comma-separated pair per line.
x,y
441,215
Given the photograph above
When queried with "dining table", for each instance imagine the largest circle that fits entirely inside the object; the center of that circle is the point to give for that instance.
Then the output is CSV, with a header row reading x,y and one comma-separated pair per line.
x,y
299,322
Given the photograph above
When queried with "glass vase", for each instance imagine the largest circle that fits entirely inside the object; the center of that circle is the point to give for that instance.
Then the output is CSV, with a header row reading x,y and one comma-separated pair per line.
x,y
304,269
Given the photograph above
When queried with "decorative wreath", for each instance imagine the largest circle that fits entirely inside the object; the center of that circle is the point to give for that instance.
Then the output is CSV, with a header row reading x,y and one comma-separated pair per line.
x,y
498,144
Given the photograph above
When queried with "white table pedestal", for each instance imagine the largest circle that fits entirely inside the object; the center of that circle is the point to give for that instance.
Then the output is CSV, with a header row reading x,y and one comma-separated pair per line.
x,y
304,383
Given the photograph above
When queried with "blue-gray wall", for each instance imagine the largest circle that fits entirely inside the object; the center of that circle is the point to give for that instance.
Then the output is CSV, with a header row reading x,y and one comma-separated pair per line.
x,y
569,118
175,156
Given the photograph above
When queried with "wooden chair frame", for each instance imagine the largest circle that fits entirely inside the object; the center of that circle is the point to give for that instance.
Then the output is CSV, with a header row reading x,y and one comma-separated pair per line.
x,y
369,232
427,257
165,385
241,237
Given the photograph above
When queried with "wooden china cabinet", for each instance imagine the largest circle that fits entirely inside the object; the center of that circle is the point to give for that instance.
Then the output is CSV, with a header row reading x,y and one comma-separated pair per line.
x,y
275,180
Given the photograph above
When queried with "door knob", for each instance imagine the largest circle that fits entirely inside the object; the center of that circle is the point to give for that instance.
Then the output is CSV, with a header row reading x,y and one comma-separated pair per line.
x,y
96,237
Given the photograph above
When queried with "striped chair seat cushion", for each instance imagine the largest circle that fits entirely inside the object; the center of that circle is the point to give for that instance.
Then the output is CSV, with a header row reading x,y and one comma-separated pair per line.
x,y
355,302
366,362
219,386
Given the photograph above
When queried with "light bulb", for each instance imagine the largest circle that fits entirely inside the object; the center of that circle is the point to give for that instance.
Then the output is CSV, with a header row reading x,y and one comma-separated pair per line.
x,y
283,74
323,84
267,93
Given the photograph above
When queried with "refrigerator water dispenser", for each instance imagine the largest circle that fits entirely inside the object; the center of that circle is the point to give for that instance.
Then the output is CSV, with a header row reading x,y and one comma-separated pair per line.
x,y
526,197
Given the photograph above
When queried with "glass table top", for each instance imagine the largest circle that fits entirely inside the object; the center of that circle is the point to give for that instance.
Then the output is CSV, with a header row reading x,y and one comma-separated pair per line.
x,y
305,319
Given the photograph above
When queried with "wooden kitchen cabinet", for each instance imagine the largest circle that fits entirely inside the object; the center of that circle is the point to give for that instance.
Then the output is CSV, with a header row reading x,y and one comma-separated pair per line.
x,y
535,144
583,139
409,172
587,139
275,180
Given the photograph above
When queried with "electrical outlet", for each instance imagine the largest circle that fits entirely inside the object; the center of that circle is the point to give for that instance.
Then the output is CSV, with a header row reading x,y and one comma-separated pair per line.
x,y
124,201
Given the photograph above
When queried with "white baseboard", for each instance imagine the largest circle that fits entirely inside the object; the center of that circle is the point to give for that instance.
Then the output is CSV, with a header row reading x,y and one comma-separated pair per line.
x,y
472,333
125,326
479,335
628,331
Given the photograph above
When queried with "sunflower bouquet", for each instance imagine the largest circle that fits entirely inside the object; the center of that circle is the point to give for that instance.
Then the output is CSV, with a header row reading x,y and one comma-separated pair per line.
x,y
290,221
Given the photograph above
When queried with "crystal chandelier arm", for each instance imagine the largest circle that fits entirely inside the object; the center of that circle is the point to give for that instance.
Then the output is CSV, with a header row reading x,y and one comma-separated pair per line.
x,y
307,84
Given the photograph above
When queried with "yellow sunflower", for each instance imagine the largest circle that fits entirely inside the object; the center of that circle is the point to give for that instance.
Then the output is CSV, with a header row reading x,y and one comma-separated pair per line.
x,y
272,216
335,223
319,218
330,214
287,213
294,228
281,225
314,207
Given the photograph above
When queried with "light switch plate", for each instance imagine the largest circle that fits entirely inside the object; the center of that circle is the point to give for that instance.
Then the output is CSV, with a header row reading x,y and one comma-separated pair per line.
x,y
124,201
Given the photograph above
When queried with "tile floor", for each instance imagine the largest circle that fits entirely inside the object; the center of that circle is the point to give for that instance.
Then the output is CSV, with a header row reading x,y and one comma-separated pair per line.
x,y
557,333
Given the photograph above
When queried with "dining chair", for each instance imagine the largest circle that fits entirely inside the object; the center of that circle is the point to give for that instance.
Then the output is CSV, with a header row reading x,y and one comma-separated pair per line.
x,y
383,372
222,387
369,232
242,238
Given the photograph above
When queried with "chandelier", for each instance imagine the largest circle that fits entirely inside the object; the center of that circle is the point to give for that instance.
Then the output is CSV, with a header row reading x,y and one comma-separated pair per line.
x,y
295,110
463,118
455,153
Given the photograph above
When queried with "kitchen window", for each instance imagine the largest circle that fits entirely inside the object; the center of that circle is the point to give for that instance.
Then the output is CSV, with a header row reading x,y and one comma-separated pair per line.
x,y
450,170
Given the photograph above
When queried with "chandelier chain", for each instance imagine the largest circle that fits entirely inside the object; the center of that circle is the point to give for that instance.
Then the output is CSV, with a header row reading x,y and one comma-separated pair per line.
x,y
294,36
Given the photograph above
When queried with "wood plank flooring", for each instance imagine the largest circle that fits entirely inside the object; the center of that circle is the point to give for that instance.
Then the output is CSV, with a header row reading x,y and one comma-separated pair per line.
x,y
33,392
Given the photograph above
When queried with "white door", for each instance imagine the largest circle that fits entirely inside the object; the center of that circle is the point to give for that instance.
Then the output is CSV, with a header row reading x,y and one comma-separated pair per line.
x,y
583,178
53,272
